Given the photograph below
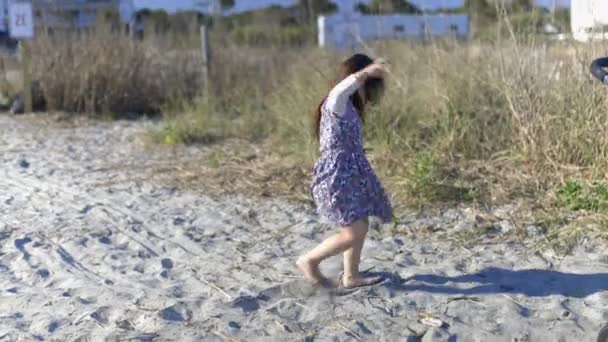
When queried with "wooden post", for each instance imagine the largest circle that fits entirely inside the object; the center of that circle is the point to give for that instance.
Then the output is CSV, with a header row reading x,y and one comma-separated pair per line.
x,y
26,75
206,62
311,11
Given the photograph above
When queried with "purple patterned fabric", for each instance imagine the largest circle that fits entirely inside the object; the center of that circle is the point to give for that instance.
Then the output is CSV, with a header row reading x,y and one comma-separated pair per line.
x,y
344,186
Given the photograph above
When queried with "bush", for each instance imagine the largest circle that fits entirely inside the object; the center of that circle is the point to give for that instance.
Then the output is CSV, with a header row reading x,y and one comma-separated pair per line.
x,y
255,35
577,195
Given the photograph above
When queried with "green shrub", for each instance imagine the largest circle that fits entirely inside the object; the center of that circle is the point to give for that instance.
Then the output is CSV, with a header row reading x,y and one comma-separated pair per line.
x,y
577,195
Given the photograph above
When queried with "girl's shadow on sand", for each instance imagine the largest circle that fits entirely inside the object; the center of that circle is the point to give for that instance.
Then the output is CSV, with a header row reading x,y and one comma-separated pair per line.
x,y
532,283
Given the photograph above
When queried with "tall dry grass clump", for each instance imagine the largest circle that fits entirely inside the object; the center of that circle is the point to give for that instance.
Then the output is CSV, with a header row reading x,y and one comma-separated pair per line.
x,y
104,71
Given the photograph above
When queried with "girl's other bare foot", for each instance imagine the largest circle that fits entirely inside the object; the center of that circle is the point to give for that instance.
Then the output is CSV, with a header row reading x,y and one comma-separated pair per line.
x,y
311,272
360,281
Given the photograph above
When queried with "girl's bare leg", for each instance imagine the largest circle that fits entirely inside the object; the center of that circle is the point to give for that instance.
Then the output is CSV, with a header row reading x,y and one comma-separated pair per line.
x,y
352,258
346,239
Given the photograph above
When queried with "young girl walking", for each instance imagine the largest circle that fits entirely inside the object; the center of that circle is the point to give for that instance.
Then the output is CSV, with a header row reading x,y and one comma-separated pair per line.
x,y
344,186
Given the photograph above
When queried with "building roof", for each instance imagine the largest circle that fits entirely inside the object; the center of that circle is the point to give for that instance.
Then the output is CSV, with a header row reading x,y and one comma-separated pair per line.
x,y
75,4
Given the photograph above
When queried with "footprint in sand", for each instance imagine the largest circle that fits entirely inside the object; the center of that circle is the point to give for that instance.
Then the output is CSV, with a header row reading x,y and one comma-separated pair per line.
x,y
24,164
176,313
166,263
105,240
53,326
246,303
20,245
101,315
43,273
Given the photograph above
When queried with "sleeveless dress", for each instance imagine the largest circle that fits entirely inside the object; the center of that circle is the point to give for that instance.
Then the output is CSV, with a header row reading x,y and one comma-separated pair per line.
x,y
344,187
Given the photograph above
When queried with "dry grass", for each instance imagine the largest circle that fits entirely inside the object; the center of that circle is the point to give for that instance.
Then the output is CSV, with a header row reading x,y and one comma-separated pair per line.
x,y
106,72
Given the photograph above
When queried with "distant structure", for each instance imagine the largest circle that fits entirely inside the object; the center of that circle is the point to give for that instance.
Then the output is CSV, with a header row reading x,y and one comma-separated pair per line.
x,y
80,14
65,13
60,14
344,29
589,20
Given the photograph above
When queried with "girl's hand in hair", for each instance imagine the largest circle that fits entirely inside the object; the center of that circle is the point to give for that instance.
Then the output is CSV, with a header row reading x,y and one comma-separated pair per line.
x,y
374,70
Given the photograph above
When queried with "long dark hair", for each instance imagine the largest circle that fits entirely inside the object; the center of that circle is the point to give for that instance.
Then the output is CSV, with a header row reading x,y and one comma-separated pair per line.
x,y
373,87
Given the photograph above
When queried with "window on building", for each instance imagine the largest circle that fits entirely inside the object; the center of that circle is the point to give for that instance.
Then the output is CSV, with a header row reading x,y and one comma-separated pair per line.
x,y
453,28
399,28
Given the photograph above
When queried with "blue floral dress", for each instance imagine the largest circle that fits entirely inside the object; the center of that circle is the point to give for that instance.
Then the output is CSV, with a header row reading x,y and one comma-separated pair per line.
x,y
344,187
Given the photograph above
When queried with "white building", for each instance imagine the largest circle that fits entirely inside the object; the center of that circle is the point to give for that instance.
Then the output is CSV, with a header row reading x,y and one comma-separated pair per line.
x,y
83,13
66,13
589,19
344,29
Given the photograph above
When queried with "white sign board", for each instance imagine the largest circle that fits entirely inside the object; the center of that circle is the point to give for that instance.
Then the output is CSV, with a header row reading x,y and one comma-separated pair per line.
x,y
21,20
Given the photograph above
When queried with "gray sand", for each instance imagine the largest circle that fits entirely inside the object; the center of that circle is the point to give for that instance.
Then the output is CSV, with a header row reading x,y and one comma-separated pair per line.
x,y
93,247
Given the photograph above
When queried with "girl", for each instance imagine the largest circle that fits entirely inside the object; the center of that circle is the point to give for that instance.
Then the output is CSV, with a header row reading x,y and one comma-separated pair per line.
x,y
344,186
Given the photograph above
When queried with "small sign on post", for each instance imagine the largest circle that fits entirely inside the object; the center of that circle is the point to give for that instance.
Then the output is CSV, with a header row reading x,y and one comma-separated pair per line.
x,y
21,25
22,20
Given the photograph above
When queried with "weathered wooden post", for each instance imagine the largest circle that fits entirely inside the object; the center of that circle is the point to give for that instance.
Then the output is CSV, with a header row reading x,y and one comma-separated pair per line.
x,y
206,57
26,65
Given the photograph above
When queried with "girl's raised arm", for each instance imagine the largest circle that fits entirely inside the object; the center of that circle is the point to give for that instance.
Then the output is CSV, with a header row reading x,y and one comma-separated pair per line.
x,y
339,95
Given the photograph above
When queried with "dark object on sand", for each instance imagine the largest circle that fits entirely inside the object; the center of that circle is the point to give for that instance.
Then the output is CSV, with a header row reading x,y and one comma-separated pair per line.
x,y
38,101
18,105
597,69
603,334
24,164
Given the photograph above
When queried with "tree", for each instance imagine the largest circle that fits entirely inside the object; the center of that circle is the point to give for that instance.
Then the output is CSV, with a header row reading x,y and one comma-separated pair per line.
x,y
226,4
161,22
310,9
521,5
562,18
388,7
481,13
480,8
323,6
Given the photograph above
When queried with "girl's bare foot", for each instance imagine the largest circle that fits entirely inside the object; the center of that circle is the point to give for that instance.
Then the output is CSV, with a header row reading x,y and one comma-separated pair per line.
x,y
311,272
360,281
